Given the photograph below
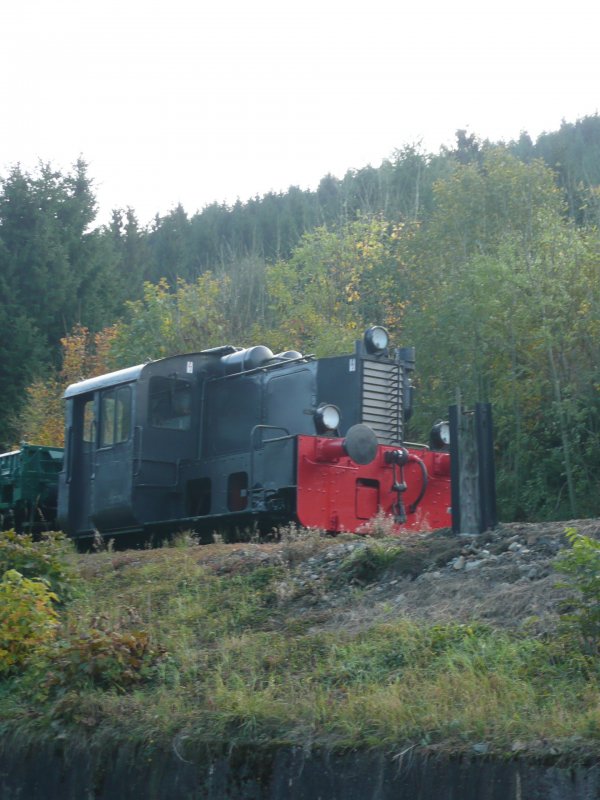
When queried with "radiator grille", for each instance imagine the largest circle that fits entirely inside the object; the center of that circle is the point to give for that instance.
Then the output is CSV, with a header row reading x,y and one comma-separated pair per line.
x,y
382,400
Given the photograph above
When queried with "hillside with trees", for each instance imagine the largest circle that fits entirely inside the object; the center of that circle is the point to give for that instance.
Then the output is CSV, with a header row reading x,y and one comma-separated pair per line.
x,y
485,256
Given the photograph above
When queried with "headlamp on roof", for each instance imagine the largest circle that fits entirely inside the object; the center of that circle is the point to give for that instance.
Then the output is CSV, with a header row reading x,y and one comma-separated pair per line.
x,y
376,339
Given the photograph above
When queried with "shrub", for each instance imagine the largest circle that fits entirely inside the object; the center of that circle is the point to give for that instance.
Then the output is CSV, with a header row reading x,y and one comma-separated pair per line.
x,y
109,659
45,559
28,619
582,564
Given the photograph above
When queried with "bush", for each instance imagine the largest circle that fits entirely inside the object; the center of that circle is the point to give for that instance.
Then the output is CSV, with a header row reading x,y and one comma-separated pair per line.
x,y
28,619
45,559
582,564
109,659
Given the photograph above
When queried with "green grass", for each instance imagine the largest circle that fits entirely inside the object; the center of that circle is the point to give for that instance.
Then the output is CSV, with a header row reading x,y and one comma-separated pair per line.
x,y
227,663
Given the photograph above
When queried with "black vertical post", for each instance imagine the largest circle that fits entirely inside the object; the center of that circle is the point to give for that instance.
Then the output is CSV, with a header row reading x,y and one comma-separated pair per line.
x,y
454,412
487,471
473,482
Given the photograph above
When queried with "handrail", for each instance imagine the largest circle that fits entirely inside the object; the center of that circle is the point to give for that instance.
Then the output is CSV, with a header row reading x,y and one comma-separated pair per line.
x,y
69,464
268,365
138,434
327,464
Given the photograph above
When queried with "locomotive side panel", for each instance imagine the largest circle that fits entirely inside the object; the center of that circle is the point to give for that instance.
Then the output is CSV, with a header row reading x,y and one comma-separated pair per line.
x,y
250,422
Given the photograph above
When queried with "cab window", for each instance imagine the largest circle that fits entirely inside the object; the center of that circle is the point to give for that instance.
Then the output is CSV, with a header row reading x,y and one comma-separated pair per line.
x,y
170,404
115,416
89,423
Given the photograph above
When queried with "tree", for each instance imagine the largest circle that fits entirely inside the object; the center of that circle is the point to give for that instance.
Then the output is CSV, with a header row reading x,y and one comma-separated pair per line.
x,y
130,254
169,243
166,322
54,272
503,299
336,282
84,355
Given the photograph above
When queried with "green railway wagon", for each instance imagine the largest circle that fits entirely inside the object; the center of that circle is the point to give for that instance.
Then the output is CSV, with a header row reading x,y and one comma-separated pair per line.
x,y
29,488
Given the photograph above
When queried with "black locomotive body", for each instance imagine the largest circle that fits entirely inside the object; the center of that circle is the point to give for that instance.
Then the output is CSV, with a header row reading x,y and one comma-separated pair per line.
x,y
225,437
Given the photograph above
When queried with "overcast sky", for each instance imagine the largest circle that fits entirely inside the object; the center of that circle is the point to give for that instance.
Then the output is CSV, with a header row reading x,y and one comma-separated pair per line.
x,y
194,101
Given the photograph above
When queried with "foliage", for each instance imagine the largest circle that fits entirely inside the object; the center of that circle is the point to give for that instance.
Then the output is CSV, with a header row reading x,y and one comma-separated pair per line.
x,y
48,559
42,419
99,656
573,152
517,297
84,355
28,619
582,565
55,271
206,641
336,283
21,356
70,657
165,322
270,227
367,563
486,257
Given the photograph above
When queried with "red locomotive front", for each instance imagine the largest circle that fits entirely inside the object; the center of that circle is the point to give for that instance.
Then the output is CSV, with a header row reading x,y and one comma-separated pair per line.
x,y
336,493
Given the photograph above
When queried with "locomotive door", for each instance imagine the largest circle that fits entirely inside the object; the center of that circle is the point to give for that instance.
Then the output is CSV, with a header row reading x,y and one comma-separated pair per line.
x,y
81,446
111,484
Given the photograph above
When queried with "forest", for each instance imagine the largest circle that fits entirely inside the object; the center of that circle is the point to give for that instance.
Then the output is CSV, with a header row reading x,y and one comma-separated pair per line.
x,y
485,256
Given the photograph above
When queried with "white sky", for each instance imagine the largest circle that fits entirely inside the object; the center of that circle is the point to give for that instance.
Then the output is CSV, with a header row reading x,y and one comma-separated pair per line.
x,y
196,101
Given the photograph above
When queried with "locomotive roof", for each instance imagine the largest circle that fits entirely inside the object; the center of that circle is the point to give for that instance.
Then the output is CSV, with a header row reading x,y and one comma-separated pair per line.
x,y
102,381
133,373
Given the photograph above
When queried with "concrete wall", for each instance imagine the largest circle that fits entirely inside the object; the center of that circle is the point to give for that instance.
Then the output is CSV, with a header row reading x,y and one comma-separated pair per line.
x,y
284,774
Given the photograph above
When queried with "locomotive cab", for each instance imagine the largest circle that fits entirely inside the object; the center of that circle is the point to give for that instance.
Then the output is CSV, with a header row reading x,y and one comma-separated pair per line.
x,y
169,443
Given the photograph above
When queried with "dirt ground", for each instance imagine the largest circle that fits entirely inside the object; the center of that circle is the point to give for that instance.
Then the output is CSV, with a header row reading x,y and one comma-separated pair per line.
x,y
503,577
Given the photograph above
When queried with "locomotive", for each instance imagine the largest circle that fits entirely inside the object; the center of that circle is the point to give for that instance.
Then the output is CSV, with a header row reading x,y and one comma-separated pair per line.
x,y
237,438
230,439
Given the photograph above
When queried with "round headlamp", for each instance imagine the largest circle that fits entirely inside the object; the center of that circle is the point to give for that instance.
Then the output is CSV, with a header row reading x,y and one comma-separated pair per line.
x,y
376,339
327,418
440,435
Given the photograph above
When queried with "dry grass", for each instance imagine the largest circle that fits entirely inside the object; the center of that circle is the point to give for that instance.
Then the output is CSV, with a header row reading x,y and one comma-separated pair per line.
x,y
242,664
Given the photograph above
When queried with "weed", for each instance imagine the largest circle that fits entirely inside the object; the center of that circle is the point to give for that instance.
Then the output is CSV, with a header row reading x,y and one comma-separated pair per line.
x,y
582,565
366,564
380,526
298,544
182,539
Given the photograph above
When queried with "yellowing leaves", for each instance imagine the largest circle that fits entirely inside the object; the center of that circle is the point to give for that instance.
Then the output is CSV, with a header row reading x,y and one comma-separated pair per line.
x,y
84,355
28,619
